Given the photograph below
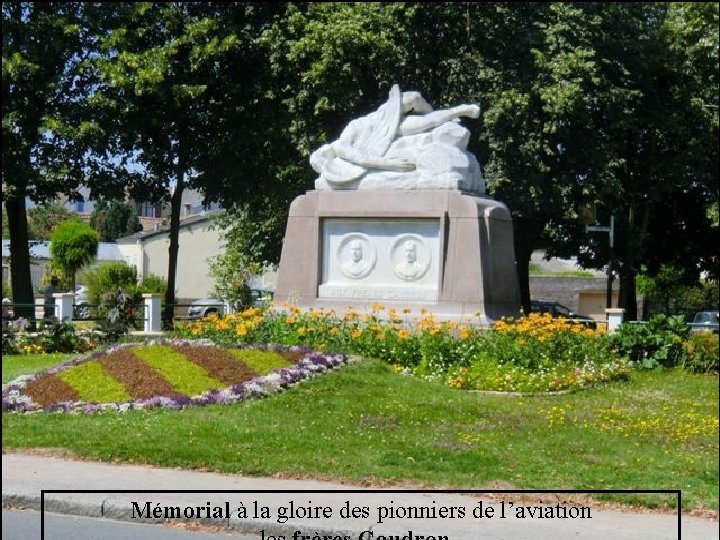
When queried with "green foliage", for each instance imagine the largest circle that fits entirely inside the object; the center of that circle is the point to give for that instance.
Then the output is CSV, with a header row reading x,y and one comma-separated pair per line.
x,y
184,376
73,245
119,313
25,364
44,218
152,284
658,342
431,435
537,353
112,285
232,273
702,353
6,292
114,219
93,384
47,126
672,292
109,276
261,362
613,105
52,337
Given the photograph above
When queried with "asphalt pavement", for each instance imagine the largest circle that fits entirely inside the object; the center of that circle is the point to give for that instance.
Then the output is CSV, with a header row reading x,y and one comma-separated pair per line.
x,y
283,509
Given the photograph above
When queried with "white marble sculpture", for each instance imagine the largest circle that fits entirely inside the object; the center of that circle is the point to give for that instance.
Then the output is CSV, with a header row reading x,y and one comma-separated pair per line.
x,y
402,145
357,256
408,264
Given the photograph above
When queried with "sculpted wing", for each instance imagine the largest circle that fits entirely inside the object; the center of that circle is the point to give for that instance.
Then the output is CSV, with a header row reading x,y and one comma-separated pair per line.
x,y
387,122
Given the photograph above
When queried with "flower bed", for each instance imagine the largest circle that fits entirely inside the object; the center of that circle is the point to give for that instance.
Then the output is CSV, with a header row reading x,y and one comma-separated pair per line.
x,y
62,379
532,354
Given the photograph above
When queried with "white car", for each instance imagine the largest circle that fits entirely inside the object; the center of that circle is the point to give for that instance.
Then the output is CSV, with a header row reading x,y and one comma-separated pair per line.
x,y
206,306
81,306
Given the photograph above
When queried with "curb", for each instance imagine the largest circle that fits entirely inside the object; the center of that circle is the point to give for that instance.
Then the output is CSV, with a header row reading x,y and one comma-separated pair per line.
x,y
116,509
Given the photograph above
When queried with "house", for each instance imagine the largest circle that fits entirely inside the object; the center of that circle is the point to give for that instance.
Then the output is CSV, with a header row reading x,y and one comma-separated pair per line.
x,y
40,259
198,241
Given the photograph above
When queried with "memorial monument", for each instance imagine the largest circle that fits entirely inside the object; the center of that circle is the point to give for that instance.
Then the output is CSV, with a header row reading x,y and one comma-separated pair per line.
x,y
399,216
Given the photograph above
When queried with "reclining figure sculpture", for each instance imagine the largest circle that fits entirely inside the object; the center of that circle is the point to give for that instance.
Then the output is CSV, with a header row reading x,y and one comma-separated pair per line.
x,y
405,144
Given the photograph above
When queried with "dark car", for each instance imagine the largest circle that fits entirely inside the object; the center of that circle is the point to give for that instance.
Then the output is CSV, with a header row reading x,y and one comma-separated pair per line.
x,y
558,310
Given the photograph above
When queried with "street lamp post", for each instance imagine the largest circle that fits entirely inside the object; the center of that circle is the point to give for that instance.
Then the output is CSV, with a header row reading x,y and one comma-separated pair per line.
x,y
611,263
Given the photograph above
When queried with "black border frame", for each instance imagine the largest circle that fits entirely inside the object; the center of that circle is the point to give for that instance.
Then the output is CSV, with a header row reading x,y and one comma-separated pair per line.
x,y
382,491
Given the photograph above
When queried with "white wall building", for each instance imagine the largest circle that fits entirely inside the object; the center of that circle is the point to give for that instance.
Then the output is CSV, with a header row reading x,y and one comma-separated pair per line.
x,y
148,251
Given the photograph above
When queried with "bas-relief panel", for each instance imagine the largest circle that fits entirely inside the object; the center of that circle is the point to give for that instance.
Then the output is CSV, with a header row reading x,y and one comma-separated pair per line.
x,y
367,258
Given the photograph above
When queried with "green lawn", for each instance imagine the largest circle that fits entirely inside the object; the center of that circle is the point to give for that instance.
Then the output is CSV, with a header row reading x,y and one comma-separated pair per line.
x,y
658,431
14,365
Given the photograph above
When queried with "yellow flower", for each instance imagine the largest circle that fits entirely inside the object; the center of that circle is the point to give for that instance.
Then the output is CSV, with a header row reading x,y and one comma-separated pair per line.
x,y
240,329
355,333
402,333
463,332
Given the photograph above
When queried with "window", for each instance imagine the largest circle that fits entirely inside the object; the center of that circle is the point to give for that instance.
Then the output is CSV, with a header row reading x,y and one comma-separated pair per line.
x,y
147,209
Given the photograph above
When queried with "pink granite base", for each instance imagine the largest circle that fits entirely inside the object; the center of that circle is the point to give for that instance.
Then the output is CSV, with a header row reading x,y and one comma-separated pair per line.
x,y
477,280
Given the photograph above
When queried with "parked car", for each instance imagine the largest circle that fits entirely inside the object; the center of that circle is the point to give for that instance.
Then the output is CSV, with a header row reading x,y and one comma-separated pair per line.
x,y
205,306
558,310
81,305
705,321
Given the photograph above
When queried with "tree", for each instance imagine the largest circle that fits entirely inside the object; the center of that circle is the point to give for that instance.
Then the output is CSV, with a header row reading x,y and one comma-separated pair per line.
x,y
43,218
114,219
73,245
160,69
592,103
314,66
666,148
40,44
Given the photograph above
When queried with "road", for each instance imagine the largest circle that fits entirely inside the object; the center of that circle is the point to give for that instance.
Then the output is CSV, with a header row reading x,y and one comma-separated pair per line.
x,y
25,524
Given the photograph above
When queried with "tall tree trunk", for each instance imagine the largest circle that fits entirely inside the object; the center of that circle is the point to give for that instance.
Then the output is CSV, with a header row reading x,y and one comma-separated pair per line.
x,y
522,264
526,237
20,280
627,295
175,205
636,233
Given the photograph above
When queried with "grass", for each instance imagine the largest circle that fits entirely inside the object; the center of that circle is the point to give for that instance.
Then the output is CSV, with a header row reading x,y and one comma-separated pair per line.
x,y
364,422
536,269
14,365
261,362
93,384
186,377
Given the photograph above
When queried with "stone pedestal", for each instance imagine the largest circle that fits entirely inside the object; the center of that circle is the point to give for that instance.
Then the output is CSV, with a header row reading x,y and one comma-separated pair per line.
x,y
153,312
443,250
64,306
615,318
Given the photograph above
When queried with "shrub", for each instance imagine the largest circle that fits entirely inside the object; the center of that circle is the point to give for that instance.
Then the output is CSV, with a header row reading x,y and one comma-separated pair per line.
x,y
533,354
53,337
658,342
109,277
73,244
152,284
118,312
702,353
